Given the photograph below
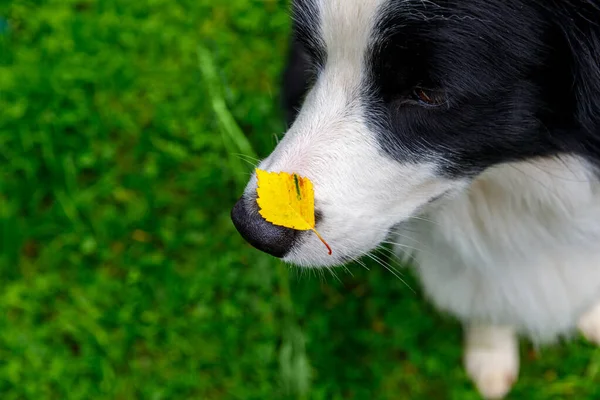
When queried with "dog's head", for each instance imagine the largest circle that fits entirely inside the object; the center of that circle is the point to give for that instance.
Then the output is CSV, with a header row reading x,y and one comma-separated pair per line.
x,y
409,100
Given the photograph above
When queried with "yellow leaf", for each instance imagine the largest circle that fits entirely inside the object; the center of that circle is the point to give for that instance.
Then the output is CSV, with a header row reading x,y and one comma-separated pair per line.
x,y
287,200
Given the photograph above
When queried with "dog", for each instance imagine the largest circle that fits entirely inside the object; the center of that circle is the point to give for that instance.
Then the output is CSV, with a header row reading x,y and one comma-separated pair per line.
x,y
471,127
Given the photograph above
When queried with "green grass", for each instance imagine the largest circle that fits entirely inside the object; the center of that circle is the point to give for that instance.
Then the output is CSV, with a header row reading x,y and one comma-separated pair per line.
x,y
125,128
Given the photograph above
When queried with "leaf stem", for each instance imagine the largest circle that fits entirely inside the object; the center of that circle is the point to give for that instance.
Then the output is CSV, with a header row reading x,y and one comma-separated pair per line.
x,y
322,240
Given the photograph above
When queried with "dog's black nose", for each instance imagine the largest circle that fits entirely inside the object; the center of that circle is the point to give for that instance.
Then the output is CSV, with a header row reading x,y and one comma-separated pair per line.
x,y
272,239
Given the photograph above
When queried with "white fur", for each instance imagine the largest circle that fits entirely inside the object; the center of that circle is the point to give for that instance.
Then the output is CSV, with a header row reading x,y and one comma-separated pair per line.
x,y
520,248
589,324
492,359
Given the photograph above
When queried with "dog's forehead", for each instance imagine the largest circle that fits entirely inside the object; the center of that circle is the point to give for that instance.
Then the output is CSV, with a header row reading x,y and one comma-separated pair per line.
x,y
349,28
348,23
339,28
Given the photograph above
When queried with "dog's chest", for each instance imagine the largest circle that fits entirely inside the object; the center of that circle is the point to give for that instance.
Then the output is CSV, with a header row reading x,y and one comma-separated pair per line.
x,y
521,247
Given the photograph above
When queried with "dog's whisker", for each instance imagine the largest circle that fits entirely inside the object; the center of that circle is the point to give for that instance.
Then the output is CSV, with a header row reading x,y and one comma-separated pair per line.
x,y
246,157
392,270
403,246
388,267
360,262
298,272
347,270
322,277
248,160
402,235
411,255
332,272
389,252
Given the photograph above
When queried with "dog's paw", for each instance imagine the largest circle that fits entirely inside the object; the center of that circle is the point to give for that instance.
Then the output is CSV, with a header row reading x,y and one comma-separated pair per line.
x,y
589,324
492,362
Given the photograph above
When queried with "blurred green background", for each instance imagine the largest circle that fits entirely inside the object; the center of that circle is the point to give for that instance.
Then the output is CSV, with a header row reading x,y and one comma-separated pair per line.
x,y
127,130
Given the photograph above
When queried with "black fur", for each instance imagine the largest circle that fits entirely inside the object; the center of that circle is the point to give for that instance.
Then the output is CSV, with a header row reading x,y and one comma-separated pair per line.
x,y
518,79
296,78
307,32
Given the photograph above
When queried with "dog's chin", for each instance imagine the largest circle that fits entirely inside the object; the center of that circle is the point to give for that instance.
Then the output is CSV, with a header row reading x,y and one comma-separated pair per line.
x,y
311,259
312,253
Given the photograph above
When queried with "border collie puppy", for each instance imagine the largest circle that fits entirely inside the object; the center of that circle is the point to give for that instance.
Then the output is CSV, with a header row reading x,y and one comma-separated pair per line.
x,y
472,125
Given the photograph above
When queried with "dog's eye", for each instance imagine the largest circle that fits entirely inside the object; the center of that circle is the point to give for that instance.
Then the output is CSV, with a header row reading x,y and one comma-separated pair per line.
x,y
428,98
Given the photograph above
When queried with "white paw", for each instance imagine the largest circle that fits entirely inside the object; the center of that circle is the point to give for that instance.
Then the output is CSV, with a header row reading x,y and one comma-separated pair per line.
x,y
589,324
492,362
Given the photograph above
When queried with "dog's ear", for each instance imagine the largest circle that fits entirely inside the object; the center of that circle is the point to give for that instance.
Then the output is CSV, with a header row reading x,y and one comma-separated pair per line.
x,y
579,23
